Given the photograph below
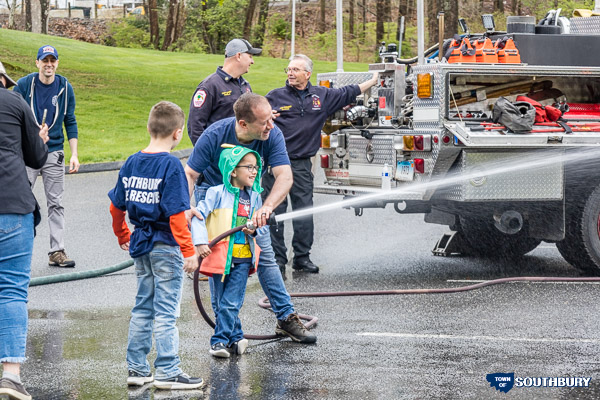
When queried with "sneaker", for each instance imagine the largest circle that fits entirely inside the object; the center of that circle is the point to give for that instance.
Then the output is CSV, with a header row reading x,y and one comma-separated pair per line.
x,y
183,381
293,328
137,379
13,389
239,347
219,350
59,259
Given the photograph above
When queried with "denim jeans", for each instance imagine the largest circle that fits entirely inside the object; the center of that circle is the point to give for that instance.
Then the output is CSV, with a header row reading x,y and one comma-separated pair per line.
x,y
229,298
157,305
268,271
16,246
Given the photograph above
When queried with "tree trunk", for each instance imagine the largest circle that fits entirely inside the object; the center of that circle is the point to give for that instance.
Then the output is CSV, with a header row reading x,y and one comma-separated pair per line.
x,y
11,16
351,18
518,6
450,18
364,18
401,13
179,21
207,39
170,27
379,31
499,5
322,26
44,8
261,28
153,18
28,21
249,18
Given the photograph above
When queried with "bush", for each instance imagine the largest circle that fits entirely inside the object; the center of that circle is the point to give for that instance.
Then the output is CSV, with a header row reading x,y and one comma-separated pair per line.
x,y
126,34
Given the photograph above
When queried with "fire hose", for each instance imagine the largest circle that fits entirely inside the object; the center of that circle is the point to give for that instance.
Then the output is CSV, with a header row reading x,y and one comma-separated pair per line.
x,y
264,303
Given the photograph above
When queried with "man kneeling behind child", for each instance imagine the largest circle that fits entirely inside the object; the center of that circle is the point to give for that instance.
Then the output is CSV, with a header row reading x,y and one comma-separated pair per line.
x,y
231,260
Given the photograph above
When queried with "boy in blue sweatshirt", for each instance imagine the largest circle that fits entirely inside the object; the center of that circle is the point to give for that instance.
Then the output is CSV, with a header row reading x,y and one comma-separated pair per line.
x,y
152,189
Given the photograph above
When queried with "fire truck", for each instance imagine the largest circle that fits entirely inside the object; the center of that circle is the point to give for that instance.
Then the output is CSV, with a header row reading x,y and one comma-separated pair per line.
x,y
430,122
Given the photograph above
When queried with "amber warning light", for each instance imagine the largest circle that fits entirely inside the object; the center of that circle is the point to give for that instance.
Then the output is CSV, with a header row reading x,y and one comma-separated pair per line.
x,y
424,85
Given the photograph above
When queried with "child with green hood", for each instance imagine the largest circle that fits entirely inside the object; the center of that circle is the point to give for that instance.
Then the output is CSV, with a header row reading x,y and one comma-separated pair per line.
x,y
230,261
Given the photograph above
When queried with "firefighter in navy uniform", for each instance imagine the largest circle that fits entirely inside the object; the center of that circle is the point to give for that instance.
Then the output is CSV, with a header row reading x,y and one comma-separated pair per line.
x,y
303,110
214,97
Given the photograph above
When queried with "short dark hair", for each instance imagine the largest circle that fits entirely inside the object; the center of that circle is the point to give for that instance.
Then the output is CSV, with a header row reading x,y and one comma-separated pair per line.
x,y
244,106
164,119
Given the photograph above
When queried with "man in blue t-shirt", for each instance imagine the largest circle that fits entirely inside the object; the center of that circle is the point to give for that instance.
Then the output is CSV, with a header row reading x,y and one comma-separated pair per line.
x,y
52,101
252,127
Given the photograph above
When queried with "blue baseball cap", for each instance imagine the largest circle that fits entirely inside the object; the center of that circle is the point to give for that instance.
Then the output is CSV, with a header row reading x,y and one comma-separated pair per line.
x,y
46,51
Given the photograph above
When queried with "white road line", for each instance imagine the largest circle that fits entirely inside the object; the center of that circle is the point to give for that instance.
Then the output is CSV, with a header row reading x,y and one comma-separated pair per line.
x,y
479,281
492,338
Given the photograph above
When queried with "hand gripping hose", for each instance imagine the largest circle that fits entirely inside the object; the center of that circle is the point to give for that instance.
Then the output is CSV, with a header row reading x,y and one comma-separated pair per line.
x,y
311,319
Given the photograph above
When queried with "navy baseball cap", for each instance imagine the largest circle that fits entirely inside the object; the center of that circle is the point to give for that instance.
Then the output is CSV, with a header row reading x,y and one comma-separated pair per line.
x,y
240,46
46,51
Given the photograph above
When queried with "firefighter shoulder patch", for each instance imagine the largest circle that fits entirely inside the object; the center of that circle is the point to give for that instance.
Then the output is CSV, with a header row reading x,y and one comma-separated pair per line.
x,y
199,98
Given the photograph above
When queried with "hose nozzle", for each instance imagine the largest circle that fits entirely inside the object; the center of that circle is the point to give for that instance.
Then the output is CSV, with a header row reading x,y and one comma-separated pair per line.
x,y
271,221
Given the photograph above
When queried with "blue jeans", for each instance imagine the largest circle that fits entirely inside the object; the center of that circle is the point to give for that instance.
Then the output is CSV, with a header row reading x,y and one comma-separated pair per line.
x,y
159,283
229,298
16,246
268,271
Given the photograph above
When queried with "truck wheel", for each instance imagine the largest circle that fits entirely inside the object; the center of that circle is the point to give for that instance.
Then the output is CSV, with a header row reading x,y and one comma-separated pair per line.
x,y
487,241
581,246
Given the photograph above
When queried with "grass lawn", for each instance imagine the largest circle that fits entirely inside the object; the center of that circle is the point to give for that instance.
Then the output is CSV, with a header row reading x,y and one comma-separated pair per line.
x,y
115,88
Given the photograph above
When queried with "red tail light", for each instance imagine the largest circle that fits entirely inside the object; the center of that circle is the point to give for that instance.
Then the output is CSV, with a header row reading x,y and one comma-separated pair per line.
x,y
419,142
419,165
325,161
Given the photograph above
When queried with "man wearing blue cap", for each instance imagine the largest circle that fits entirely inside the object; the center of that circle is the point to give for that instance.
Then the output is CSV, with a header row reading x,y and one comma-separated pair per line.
x,y
52,101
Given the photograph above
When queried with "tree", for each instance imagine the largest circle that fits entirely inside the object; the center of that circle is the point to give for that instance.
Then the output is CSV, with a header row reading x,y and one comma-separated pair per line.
x,y
322,24
249,18
44,8
351,18
153,19
11,15
170,30
261,26
379,29
28,20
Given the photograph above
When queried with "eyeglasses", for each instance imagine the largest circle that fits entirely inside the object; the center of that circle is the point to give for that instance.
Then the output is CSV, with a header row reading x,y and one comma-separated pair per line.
x,y
294,70
251,168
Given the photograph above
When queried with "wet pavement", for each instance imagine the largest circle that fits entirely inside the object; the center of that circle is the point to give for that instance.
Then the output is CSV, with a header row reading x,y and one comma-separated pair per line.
x,y
375,347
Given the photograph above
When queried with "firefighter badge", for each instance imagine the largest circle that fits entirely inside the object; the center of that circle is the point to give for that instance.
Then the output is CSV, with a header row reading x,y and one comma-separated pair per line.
x,y
199,98
316,102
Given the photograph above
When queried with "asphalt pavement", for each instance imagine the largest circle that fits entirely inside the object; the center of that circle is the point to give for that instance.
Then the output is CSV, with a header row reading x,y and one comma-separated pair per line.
x,y
426,346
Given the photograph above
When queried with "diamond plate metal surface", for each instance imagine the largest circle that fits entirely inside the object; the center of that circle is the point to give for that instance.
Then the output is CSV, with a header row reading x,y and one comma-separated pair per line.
x,y
438,99
340,79
586,25
543,183
383,152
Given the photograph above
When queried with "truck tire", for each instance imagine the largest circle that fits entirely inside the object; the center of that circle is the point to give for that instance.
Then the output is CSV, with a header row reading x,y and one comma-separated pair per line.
x,y
581,246
487,241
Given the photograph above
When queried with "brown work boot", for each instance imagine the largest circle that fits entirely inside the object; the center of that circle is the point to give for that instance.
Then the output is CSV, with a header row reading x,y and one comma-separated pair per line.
x,y
14,390
295,330
59,259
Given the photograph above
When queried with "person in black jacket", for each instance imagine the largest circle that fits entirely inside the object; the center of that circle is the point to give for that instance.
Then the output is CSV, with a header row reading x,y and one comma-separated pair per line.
x,y
303,110
214,97
22,143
